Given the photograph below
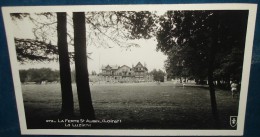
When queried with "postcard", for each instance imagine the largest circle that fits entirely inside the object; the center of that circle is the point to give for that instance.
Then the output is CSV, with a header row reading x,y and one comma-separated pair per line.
x,y
142,70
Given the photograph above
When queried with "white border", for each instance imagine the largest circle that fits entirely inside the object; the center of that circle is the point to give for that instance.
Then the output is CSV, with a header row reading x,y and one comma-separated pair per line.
x,y
151,7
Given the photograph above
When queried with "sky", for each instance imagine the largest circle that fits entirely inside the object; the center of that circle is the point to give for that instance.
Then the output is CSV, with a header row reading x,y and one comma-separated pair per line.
x,y
146,52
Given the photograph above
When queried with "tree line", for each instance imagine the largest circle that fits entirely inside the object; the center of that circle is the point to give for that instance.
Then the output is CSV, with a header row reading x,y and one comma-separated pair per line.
x,y
204,45
39,75
34,75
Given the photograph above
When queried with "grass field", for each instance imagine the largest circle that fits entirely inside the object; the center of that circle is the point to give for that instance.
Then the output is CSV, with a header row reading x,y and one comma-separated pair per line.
x,y
138,106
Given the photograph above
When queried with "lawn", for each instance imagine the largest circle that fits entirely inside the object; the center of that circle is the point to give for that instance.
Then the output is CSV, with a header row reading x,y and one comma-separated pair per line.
x,y
138,106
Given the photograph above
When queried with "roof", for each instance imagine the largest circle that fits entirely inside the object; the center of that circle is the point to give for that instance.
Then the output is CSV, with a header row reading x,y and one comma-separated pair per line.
x,y
139,63
111,66
125,66
117,67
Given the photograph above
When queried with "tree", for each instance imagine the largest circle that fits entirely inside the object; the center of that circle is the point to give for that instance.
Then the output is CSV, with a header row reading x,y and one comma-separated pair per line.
x,y
202,39
23,75
109,28
67,107
158,75
182,59
93,73
30,50
82,77
37,50
176,68
229,60
39,75
106,27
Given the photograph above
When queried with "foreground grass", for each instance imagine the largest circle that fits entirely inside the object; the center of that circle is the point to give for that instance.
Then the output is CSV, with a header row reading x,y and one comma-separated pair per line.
x,y
141,106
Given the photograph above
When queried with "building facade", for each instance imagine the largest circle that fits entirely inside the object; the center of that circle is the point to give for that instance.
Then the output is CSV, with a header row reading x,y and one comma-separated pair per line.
x,y
114,73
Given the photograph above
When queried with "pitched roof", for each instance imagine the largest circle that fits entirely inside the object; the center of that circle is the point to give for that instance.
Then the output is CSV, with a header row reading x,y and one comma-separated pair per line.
x,y
125,66
111,66
117,67
139,64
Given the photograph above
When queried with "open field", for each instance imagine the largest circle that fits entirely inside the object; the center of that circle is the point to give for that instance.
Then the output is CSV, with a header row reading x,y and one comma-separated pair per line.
x,y
140,105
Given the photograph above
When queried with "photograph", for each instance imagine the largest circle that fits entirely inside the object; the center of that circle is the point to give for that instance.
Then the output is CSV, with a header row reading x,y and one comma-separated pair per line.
x,y
131,69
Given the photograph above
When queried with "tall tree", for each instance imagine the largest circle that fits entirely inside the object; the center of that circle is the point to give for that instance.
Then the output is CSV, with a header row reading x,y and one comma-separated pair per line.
x,y
201,39
82,76
104,28
38,50
67,108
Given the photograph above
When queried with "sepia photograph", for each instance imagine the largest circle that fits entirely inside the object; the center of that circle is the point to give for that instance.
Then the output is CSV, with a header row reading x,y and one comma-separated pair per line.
x,y
139,69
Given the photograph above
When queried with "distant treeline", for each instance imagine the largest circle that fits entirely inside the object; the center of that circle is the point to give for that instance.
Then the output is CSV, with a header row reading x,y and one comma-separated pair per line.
x,y
48,75
39,75
42,75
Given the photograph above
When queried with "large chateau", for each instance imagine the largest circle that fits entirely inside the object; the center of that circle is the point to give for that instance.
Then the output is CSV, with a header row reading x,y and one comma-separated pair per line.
x,y
137,73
